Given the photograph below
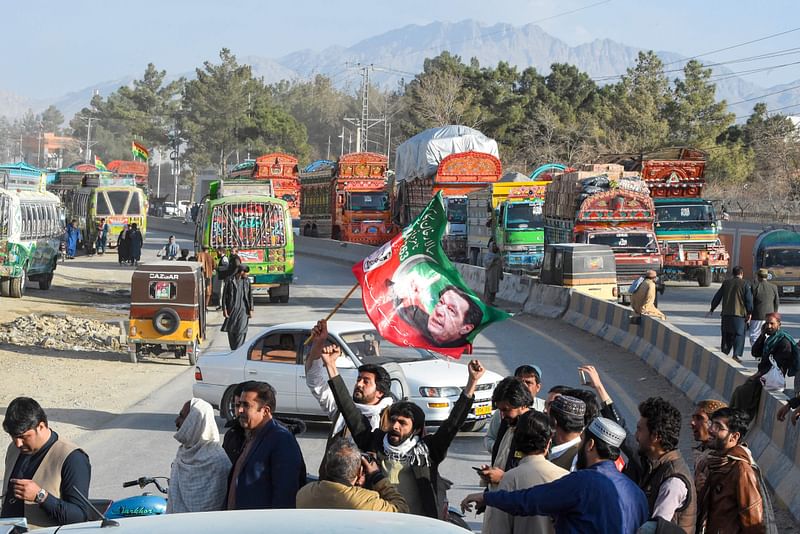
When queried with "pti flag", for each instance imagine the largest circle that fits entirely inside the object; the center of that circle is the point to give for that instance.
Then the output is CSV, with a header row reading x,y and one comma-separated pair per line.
x,y
415,297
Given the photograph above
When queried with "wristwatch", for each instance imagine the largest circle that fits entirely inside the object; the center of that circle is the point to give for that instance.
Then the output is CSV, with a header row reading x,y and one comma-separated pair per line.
x,y
41,496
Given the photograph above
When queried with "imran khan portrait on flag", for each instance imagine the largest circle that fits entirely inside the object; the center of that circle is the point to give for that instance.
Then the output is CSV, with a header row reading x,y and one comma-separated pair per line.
x,y
414,295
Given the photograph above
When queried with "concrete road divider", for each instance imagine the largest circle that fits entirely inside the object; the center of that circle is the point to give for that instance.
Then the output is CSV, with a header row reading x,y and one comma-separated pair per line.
x,y
547,301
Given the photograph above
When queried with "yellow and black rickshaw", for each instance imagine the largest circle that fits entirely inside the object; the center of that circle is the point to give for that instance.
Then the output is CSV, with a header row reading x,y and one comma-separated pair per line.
x,y
588,269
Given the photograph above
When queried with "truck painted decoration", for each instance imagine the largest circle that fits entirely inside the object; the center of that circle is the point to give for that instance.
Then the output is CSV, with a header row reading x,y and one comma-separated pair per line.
x,y
509,212
139,171
31,229
259,226
603,205
277,171
686,225
347,200
778,251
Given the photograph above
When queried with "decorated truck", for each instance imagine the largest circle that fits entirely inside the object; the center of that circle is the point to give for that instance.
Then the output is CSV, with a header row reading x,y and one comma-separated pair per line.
x,y
603,205
778,251
508,212
686,225
455,160
348,201
139,171
280,171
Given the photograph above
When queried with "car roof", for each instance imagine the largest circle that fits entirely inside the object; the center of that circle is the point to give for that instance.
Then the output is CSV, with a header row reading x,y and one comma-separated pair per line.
x,y
334,327
290,521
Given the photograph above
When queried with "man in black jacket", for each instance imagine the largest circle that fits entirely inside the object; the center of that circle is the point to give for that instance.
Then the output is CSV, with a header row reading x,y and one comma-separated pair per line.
x,y
737,306
409,459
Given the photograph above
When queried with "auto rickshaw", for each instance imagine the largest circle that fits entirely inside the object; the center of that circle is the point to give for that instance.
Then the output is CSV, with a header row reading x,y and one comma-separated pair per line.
x,y
588,269
168,312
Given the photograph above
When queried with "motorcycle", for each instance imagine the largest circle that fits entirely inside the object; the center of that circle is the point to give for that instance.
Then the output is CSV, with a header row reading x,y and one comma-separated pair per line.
x,y
137,505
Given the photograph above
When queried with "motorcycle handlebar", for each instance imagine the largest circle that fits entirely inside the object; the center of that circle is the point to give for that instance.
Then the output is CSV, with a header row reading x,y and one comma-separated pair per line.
x,y
130,483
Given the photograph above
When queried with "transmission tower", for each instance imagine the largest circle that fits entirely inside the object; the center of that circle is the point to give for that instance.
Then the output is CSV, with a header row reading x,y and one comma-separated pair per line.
x,y
363,123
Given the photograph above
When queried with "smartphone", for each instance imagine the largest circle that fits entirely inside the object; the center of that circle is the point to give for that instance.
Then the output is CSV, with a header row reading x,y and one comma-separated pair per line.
x,y
584,378
478,469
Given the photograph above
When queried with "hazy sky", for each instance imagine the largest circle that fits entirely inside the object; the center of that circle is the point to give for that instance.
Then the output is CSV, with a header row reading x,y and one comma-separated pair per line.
x,y
51,47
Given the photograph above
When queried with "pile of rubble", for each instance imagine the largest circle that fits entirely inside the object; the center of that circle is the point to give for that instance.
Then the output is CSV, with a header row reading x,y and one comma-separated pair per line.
x,y
61,332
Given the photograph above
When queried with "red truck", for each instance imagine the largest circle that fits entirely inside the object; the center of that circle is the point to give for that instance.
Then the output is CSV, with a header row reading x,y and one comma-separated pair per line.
x,y
603,205
348,200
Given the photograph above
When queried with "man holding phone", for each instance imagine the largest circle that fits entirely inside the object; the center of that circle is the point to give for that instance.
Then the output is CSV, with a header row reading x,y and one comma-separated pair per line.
x,y
353,481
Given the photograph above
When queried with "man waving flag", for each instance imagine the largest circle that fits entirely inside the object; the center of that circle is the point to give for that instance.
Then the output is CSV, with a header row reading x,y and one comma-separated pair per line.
x,y
413,294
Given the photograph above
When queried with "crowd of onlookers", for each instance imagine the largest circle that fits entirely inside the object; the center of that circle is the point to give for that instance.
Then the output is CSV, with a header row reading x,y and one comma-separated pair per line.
x,y
564,461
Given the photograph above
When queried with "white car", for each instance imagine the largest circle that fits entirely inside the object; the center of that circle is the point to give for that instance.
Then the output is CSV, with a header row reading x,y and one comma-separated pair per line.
x,y
170,209
276,355
282,521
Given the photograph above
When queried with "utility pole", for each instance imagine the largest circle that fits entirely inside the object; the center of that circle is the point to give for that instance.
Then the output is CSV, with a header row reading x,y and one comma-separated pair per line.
x,y
87,156
328,155
363,123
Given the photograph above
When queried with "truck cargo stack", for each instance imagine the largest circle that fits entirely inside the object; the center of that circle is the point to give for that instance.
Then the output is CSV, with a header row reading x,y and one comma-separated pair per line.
x,y
279,170
604,205
686,225
509,212
778,251
348,200
139,171
455,160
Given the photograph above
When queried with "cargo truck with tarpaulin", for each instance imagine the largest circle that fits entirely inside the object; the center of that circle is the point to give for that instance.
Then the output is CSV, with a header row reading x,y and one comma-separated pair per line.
x,y
508,212
240,212
778,251
455,160
31,229
348,200
603,205
686,225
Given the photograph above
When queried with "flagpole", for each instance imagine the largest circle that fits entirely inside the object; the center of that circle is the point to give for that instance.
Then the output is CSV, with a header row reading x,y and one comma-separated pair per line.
x,y
334,310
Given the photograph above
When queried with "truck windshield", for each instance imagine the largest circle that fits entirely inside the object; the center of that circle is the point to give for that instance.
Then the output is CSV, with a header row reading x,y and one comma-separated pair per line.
x,y
377,201
457,210
627,242
247,225
782,257
685,216
524,216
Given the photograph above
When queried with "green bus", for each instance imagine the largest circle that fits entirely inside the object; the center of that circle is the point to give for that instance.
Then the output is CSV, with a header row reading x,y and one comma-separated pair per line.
x,y
260,227
31,229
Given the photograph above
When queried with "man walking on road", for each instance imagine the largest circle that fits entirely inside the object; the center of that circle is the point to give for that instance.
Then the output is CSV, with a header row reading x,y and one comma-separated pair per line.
x,y
46,478
594,499
237,307
270,469
737,306
733,498
493,263
72,237
136,241
765,300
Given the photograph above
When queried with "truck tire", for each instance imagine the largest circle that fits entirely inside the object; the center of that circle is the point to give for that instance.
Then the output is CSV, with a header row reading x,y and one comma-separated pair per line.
x,y
5,287
704,277
46,281
16,286
166,321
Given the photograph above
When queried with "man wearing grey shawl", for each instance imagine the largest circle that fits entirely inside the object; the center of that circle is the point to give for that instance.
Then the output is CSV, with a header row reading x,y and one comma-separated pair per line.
x,y
199,476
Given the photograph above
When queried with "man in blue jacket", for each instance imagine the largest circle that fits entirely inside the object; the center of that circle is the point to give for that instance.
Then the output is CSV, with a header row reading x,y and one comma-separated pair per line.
x,y
270,469
595,499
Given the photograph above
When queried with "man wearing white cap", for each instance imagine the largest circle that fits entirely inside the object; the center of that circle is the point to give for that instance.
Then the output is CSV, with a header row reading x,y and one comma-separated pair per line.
x,y
595,499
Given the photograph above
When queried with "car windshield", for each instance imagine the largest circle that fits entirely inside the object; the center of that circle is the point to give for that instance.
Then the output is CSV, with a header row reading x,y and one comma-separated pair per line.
x,y
688,217
369,347
625,241
782,257
457,210
524,216
376,201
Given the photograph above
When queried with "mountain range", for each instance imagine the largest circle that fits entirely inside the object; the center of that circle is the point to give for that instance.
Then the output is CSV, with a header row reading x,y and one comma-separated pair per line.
x,y
400,53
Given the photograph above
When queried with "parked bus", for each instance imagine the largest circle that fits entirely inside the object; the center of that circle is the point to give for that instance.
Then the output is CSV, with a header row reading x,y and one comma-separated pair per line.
x,y
94,195
260,227
31,229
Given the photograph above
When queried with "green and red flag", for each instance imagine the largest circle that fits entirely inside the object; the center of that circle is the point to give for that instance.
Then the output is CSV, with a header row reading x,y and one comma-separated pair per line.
x,y
98,163
414,295
139,151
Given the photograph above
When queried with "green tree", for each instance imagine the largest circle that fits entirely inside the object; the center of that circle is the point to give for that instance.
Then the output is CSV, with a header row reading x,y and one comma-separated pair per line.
x,y
52,119
694,115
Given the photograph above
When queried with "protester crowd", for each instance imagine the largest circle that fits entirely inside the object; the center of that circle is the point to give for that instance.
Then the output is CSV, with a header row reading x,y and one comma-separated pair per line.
x,y
564,462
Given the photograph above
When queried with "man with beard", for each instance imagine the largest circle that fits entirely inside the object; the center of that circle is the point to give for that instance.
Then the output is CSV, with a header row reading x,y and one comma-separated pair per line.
x,y
594,499
700,423
270,469
512,399
409,459
371,393
666,480
733,498
237,307
567,415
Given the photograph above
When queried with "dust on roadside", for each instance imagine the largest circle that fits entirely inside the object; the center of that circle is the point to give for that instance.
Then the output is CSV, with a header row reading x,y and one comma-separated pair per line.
x,y
79,389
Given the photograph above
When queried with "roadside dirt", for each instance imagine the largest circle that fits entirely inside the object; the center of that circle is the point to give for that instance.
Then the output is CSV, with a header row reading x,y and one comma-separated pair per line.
x,y
95,385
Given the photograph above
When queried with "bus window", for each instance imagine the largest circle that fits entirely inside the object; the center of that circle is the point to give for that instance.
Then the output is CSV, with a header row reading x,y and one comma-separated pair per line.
x,y
118,200
134,208
4,215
